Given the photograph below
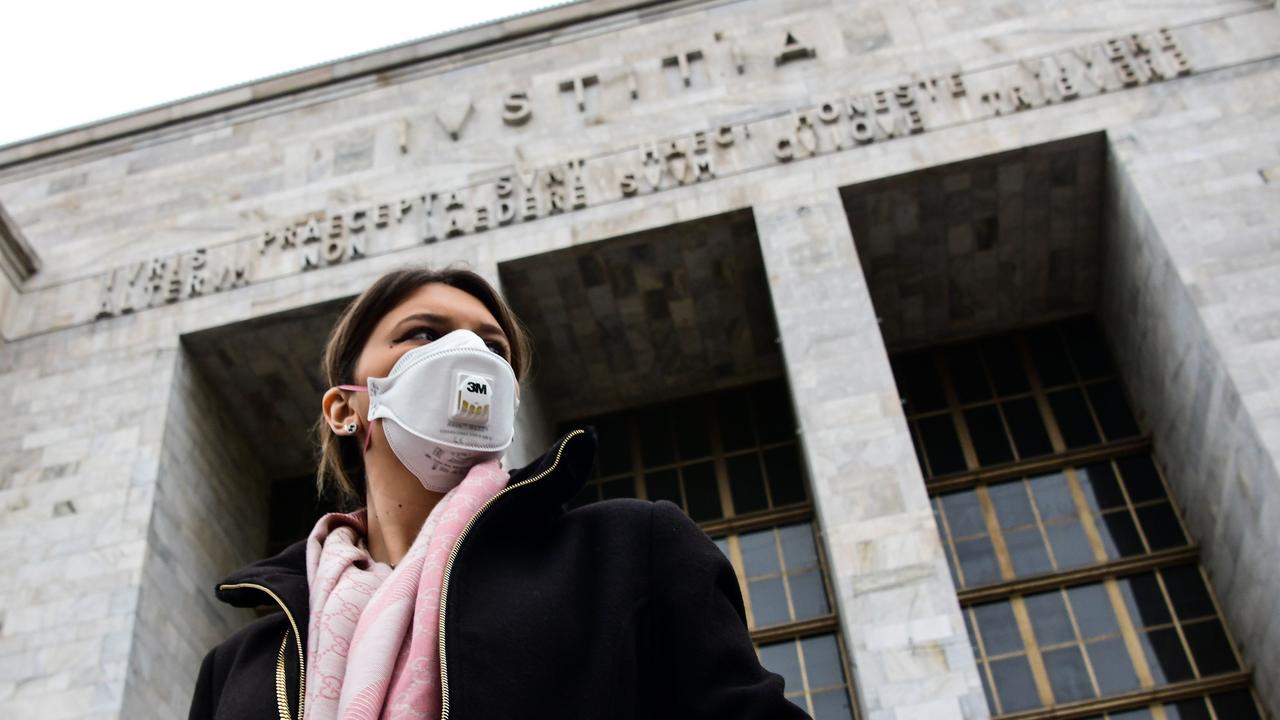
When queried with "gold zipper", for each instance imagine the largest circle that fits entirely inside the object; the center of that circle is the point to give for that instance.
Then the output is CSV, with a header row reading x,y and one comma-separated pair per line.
x,y
453,555
281,698
282,692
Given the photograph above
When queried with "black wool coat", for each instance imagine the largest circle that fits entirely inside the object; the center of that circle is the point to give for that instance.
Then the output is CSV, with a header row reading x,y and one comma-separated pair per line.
x,y
618,609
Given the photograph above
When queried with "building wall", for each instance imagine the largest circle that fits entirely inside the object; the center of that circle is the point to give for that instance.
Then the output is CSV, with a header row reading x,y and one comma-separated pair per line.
x,y
94,473
209,491
1190,304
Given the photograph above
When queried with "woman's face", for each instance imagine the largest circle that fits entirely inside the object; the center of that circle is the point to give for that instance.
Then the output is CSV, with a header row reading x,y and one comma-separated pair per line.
x,y
430,313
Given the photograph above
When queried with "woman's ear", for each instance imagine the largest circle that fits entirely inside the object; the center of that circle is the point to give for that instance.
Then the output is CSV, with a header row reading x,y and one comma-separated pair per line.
x,y
340,410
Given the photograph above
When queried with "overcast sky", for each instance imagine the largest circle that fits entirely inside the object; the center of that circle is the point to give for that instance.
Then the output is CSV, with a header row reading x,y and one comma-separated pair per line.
x,y
70,62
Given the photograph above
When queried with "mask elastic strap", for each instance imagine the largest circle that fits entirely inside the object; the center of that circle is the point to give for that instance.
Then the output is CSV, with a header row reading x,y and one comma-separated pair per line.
x,y
368,435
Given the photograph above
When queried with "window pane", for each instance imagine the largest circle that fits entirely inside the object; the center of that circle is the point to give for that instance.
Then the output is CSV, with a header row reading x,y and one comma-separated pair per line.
x,y
1100,487
833,704
808,596
998,627
620,488
1210,648
986,687
692,437
1145,601
798,551
1026,549
656,446
701,492
781,658
1014,684
1193,709
1067,674
663,485
1236,705
1092,608
786,480
1161,526
1119,535
768,602
1140,478
759,554
1112,410
734,414
1072,414
964,514
1070,546
967,377
746,483
1005,365
1053,497
977,561
1166,657
941,444
1027,427
1187,591
919,384
822,661
774,420
1049,620
1112,667
1012,505
987,434
1049,357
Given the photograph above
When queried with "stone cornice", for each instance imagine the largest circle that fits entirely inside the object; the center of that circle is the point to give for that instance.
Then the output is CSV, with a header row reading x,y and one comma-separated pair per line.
x,y
17,259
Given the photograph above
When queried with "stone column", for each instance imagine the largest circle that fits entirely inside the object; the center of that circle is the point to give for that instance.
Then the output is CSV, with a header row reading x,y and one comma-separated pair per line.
x,y
898,610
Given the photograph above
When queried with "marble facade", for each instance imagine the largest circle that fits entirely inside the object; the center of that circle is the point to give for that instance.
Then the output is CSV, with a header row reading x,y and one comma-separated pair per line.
x,y
152,243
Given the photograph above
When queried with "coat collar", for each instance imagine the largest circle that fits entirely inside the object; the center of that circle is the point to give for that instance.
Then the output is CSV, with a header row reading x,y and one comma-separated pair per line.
x,y
566,464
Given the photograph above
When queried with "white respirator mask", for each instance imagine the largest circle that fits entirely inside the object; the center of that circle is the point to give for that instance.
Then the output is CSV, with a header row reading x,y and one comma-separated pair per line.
x,y
448,405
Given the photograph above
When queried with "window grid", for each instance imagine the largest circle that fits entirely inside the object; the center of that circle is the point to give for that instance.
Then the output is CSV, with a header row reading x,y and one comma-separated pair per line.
x,y
1039,406
982,451
1025,543
740,477
1229,705
1013,638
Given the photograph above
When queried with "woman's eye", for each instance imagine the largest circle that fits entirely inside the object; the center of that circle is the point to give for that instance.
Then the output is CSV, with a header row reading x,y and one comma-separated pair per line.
x,y
422,333
496,348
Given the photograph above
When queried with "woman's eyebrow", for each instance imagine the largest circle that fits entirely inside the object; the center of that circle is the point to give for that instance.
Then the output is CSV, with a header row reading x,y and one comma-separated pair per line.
x,y
441,320
424,317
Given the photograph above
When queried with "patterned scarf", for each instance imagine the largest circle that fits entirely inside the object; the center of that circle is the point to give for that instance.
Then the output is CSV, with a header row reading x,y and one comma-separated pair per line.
x,y
373,651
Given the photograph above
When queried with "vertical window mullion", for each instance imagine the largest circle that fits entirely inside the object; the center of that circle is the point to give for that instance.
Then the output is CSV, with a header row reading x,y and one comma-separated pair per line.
x,y
1086,516
994,533
1129,634
1177,624
1038,394
956,412
1044,689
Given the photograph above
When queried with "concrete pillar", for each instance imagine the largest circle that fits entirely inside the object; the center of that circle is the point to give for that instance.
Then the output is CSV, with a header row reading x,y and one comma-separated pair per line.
x,y
898,609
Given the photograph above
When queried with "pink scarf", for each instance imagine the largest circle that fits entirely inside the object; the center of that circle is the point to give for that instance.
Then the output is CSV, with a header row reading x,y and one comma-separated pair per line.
x,y
372,649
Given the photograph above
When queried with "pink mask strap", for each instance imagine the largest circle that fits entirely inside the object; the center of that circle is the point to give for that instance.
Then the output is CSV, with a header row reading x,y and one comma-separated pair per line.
x,y
368,435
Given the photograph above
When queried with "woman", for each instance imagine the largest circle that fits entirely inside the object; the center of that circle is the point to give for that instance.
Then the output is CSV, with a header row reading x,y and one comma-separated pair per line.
x,y
459,590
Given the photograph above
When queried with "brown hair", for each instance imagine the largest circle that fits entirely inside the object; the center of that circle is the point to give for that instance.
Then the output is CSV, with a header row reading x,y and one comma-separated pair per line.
x,y
341,463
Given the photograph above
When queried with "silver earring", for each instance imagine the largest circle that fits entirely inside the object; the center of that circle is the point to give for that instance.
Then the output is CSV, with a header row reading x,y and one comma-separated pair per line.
x,y
351,428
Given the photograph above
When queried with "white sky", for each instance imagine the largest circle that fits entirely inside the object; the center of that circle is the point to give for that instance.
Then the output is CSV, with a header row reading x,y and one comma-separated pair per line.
x,y
69,62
